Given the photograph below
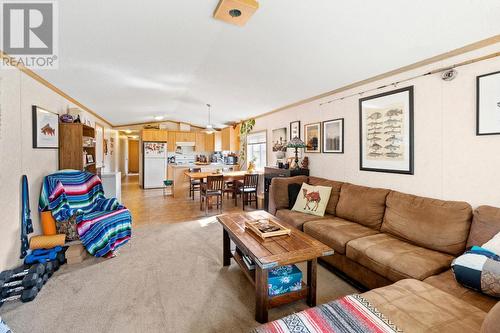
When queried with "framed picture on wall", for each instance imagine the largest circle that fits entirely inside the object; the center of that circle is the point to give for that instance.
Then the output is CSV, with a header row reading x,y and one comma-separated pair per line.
x,y
312,133
295,129
488,104
333,136
386,132
45,127
279,139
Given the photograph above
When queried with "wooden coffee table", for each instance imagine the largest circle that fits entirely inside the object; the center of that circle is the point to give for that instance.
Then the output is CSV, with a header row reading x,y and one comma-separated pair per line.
x,y
276,251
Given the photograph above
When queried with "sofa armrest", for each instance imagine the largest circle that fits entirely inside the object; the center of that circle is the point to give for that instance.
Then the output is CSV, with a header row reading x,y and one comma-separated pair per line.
x,y
278,191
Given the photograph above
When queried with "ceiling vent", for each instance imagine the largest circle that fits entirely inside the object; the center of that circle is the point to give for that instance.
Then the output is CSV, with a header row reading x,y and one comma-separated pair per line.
x,y
236,12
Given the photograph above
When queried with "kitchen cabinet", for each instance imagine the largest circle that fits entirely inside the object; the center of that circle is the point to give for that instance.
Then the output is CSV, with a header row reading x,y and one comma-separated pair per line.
x,y
230,139
185,137
210,142
171,141
154,135
200,139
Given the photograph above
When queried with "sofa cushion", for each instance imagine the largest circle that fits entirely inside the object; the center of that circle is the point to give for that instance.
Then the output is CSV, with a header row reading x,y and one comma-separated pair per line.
x,y
278,191
446,282
485,225
297,219
396,259
293,193
312,199
336,232
435,224
364,205
334,195
415,306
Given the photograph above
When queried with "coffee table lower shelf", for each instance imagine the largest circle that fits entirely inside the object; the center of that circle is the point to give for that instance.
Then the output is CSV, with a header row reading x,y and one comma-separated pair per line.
x,y
272,301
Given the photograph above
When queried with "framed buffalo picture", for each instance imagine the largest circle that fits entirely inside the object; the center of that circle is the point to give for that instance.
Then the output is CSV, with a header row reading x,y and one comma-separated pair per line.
x,y
312,133
333,136
45,128
488,104
386,132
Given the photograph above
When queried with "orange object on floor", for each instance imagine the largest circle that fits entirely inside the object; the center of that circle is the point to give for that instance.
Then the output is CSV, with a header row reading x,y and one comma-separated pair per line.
x,y
47,242
48,223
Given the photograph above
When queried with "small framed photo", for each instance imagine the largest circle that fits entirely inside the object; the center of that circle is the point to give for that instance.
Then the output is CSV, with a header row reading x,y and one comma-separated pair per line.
x,y
312,140
333,136
488,104
90,158
295,129
45,126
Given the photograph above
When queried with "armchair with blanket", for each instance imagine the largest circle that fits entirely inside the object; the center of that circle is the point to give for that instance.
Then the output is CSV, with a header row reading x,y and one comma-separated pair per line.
x,y
103,225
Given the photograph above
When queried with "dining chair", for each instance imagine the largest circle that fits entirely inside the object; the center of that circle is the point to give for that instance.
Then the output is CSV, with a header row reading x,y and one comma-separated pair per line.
x,y
248,190
214,187
194,184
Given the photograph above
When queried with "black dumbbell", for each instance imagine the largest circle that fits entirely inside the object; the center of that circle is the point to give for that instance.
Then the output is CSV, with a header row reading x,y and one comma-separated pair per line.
x,y
6,291
45,278
61,258
49,269
27,281
21,272
27,295
55,265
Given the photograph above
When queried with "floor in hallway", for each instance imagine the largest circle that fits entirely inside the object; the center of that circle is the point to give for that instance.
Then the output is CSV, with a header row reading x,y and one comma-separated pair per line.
x,y
151,207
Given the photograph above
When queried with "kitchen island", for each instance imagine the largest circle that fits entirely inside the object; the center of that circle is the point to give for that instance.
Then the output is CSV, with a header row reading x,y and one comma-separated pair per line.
x,y
176,172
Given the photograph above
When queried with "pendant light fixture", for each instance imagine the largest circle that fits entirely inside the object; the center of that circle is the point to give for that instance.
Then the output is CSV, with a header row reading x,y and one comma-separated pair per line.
x,y
209,129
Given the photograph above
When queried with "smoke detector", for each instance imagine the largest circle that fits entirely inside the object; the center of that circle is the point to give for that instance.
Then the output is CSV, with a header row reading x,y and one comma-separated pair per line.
x,y
236,12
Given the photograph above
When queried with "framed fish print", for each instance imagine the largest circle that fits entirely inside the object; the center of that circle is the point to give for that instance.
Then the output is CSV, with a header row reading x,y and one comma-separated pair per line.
x,y
294,129
386,132
312,133
45,128
333,136
488,104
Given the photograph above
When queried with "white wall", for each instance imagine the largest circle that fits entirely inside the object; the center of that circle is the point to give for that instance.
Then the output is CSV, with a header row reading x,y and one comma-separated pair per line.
x,y
17,157
451,162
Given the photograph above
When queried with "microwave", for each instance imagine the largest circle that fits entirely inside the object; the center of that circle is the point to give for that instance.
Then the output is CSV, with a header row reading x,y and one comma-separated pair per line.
x,y
231,160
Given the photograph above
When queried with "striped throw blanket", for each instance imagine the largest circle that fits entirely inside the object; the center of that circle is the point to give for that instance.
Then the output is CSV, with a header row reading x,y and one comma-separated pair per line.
x,y
350,314
103,225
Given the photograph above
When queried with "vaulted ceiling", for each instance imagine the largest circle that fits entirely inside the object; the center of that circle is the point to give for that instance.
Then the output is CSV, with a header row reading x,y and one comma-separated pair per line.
x,y
131,60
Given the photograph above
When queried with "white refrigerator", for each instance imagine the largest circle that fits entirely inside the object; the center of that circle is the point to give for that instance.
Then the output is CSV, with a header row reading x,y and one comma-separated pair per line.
x,y
155,164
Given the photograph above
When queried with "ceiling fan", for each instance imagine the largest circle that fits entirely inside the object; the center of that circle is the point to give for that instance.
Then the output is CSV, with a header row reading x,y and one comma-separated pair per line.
x,y
209,129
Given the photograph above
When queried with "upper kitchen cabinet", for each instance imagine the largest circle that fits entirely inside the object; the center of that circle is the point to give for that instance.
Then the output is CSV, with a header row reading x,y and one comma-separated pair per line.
x,y
200,140
210,142
185,137
171,141
230,139
154,135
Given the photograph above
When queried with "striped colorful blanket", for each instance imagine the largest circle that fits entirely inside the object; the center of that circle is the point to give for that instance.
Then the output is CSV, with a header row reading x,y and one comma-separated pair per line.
x,y
350,314
103,225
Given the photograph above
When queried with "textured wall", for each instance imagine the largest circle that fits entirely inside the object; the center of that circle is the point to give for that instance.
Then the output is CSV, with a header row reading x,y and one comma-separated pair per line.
x,y
451,162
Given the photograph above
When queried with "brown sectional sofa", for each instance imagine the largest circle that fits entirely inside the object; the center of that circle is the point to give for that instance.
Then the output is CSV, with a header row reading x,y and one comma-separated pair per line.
x,y
381,237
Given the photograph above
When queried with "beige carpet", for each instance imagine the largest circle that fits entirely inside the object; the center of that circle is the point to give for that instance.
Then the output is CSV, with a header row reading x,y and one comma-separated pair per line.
x,y
168,279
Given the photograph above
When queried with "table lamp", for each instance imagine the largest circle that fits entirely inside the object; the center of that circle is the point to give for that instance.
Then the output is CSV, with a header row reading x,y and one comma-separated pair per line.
x,y
296,143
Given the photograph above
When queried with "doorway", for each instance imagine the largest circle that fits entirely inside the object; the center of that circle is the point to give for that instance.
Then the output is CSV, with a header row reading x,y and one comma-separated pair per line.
x,y
133,156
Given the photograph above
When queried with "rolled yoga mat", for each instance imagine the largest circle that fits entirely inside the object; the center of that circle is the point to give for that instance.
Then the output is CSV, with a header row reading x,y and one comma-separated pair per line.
x,y
47,242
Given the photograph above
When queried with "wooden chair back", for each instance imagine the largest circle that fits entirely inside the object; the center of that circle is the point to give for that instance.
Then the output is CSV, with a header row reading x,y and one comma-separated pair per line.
x,y
194,169
251,181
215,183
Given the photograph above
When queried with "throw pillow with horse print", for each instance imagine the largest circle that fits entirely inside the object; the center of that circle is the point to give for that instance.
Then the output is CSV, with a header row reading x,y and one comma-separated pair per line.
x,y
312,199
